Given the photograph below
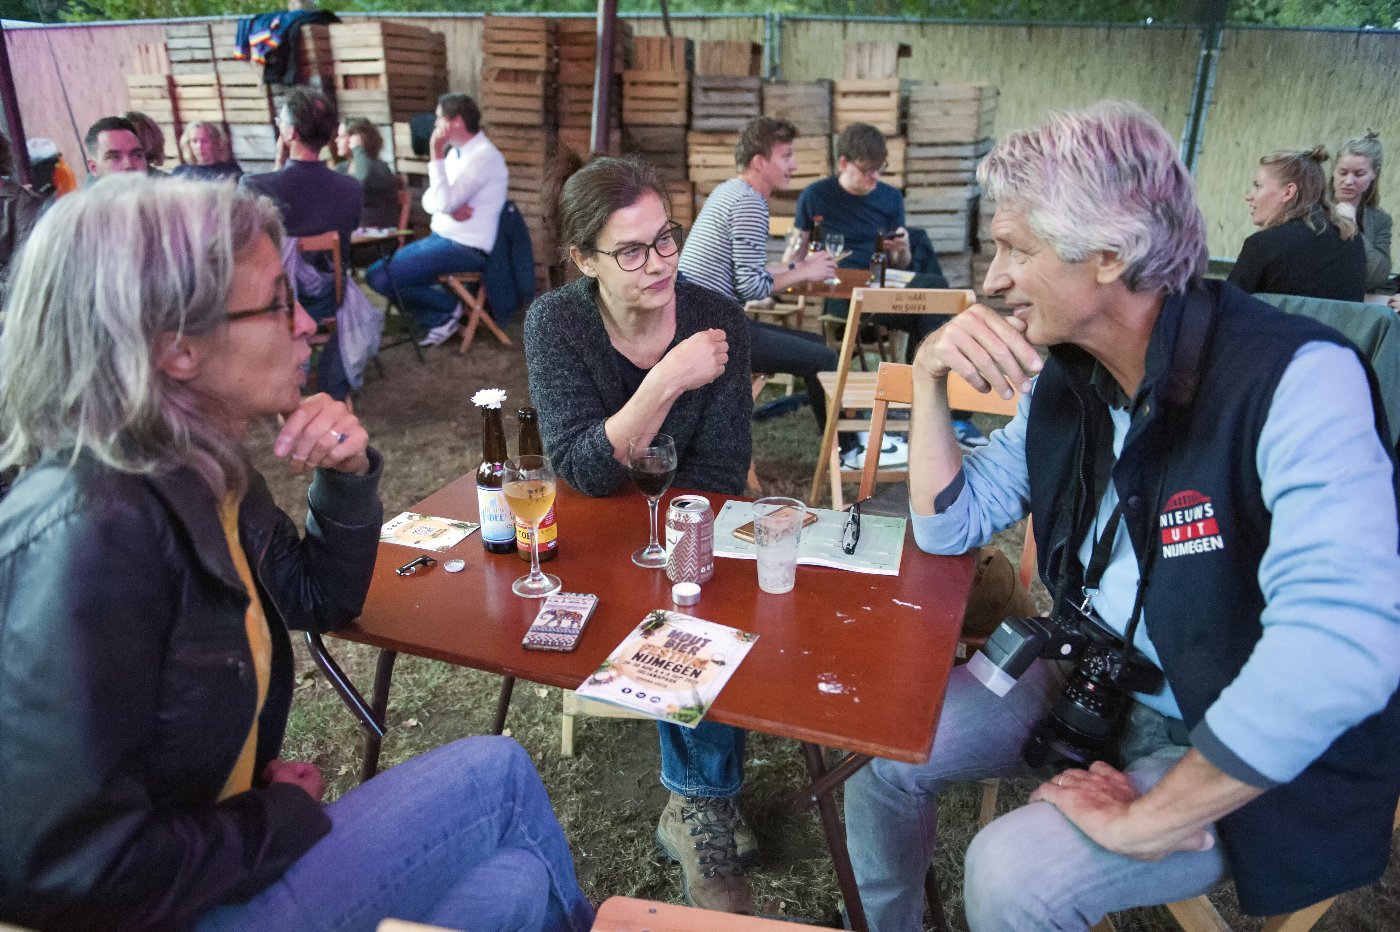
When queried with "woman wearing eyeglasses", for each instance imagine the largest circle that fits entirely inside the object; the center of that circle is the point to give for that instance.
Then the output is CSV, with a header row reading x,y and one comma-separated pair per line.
x,y
147,582
626,350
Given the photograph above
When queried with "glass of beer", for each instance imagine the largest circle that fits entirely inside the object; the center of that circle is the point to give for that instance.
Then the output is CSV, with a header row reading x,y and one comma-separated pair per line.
x,y
836,245
652,460
528,484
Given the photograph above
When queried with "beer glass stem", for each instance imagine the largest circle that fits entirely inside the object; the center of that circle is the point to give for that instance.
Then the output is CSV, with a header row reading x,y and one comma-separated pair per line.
x,y
651,507
535,575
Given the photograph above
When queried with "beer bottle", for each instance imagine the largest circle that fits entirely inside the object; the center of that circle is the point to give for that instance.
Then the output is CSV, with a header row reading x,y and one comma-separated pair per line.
x,y
548,533
879,261
818,241
497,522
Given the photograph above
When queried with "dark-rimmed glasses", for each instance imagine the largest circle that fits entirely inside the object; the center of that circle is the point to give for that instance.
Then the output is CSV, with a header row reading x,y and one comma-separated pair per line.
x,y
632,256
872,172
851,536
283,304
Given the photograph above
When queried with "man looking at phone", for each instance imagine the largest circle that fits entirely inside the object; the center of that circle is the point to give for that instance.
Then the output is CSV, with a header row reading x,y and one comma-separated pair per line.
x,y
855,203
1180,454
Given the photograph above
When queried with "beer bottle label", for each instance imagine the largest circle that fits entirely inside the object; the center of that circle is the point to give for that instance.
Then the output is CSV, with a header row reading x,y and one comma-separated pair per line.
x,y
548,533
497,522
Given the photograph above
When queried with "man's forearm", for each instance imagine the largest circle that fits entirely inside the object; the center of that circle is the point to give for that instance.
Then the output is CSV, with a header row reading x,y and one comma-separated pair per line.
x,y
1192,795
934,454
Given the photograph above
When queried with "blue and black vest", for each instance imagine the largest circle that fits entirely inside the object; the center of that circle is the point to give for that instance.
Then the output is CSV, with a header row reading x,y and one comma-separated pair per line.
x,y
1189,487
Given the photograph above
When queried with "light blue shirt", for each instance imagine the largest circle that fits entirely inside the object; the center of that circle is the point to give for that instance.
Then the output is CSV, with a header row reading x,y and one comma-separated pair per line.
x,y
1329,655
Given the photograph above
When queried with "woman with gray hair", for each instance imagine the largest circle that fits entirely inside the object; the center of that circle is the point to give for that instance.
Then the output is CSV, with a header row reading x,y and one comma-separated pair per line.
x,y
1356,187
147,582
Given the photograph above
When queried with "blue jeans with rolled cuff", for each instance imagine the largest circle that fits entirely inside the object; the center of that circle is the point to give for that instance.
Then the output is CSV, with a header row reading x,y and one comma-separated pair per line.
x,y
707,760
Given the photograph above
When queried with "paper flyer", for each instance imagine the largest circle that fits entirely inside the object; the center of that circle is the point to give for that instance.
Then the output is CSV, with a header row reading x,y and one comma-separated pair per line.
x,y
671,667
425,532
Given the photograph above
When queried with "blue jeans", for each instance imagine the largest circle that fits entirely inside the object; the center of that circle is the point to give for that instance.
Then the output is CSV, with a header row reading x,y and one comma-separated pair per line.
x,y
330,370
1029,869
463,837
415,270
781,349
707,760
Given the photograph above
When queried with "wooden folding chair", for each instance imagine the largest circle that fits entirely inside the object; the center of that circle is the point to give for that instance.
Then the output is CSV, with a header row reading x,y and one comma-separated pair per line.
x,y
474,305
328,242
624,914
847,391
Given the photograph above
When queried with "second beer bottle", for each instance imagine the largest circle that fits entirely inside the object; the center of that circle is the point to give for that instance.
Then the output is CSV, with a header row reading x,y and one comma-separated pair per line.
x,y
548,533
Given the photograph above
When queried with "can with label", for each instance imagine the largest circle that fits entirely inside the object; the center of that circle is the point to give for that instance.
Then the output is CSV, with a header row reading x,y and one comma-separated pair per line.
x,y
690,539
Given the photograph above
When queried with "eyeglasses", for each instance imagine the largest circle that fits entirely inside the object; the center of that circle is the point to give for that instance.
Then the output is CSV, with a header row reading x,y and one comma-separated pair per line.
x,y
282,304
851,536
633,256
872,172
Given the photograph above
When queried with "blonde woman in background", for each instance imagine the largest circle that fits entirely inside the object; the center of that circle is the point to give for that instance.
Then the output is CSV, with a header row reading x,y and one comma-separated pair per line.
x,y
208,157
1356,187
1304,246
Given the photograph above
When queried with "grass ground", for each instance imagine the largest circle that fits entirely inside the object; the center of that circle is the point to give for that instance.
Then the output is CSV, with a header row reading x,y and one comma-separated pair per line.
x,y
608,796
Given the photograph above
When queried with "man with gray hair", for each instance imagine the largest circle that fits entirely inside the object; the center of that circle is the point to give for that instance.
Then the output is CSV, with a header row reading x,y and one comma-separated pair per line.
x,y
1214,510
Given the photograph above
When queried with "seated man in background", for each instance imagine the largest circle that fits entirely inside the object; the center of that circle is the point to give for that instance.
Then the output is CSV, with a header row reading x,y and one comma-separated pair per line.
x,y
313,199
19,208
113,147
855,203
467,182
1180,432
727,252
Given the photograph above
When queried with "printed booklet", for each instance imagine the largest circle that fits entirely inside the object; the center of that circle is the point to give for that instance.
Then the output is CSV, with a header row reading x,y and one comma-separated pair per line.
x,y
878,552
671,667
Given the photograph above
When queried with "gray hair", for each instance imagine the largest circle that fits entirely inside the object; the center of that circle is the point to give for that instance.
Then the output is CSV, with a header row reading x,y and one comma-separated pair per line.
x,y
1105,179
106,273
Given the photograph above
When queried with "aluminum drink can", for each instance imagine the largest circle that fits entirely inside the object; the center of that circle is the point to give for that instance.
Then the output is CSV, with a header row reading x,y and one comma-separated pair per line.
x,y
690,539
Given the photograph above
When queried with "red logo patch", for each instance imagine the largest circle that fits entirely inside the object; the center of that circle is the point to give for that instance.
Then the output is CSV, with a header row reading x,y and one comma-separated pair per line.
x,y
1188,525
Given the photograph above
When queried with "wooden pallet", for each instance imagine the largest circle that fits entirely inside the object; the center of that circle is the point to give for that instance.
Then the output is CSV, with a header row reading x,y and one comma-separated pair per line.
x,y
710,159
941,113
723,104
253,141
658,53
946,214
682,197
655,98
867,101
197,97
662,146
518,42
804,104
516,97
189,42
729,58
813,155
874,61
524,145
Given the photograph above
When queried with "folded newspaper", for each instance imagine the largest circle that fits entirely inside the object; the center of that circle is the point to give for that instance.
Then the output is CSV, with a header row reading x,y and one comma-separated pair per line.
x,y
671,667
878,552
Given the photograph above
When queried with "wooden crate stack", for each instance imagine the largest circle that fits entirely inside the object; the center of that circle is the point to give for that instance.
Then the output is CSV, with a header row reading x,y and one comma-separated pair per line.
x,y
949,131
518,97
725,94
210,84
387,73
710,160
807,106
656,111
578,60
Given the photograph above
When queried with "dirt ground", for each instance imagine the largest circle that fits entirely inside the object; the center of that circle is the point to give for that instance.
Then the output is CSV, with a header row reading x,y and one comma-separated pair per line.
x,y
608,796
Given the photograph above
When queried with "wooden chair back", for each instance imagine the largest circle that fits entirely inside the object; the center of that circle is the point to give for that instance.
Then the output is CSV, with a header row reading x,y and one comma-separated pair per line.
x,y
327,242
405,200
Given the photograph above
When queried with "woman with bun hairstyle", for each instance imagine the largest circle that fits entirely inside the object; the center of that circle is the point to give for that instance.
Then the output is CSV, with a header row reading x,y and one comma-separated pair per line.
x,y
1356,187
1304,245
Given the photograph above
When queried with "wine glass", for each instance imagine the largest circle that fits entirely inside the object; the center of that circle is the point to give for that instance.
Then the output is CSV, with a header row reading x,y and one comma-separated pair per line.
x,y
528,484
652,459
835,243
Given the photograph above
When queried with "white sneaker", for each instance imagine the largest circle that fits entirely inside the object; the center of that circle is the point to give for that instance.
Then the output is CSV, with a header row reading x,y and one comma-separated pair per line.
x,y
893,453
443,332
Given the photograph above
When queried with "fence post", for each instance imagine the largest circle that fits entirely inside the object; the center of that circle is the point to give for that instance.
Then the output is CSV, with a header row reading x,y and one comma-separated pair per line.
x,y
773,46
1212,34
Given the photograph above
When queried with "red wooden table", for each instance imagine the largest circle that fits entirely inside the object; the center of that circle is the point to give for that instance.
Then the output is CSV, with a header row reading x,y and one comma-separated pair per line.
x,y
849,661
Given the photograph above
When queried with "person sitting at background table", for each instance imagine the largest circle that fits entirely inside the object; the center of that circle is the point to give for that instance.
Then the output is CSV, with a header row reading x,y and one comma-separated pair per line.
x,y
149,582
624,351
357,146
1304,247
1356,187
205,149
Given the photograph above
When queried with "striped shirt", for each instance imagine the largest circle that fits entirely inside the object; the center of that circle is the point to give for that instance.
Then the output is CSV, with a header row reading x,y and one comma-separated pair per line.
x,y
727,248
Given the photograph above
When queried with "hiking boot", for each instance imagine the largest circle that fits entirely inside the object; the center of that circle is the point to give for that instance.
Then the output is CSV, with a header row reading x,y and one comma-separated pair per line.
x,y
698,831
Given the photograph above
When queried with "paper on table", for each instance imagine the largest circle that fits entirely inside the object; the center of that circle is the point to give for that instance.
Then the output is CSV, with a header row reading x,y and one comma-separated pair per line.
x,y
879,552
425,532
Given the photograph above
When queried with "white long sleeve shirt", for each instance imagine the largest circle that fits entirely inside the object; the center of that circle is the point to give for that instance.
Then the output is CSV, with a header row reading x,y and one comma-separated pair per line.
x,y
474,174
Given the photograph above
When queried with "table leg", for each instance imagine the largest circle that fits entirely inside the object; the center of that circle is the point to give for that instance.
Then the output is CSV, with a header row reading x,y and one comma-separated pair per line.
x,y
503,705
383,675
819,793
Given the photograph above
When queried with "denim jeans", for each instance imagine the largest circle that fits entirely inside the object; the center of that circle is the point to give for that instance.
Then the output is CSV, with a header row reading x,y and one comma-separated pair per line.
x,y
330,369
781,349
1029,869
707,760
415,270
462,837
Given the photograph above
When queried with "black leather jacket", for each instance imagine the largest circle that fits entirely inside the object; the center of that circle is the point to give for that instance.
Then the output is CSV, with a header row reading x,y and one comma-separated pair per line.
x,y
127,688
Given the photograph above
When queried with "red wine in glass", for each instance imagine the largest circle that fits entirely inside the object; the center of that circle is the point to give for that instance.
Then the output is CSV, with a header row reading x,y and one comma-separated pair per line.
x,y
653,474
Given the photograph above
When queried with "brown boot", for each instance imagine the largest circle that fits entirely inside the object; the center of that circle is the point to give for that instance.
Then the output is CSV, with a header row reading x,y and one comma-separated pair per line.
x,y
698,832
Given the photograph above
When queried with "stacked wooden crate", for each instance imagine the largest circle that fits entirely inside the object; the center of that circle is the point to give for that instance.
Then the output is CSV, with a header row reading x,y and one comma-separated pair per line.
x,y
387,73
656,108
725,94
577,40
949,131
518,100
710,160
807,106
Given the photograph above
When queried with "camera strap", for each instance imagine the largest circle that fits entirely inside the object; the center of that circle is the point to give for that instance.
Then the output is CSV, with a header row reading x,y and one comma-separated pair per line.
x,y
1100,556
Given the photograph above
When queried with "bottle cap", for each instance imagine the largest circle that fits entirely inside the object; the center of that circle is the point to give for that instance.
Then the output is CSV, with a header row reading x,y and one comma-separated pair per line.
x,y
685,593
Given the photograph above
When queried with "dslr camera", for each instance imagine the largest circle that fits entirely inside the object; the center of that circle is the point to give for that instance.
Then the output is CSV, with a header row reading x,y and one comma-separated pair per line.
x,y
1086,720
